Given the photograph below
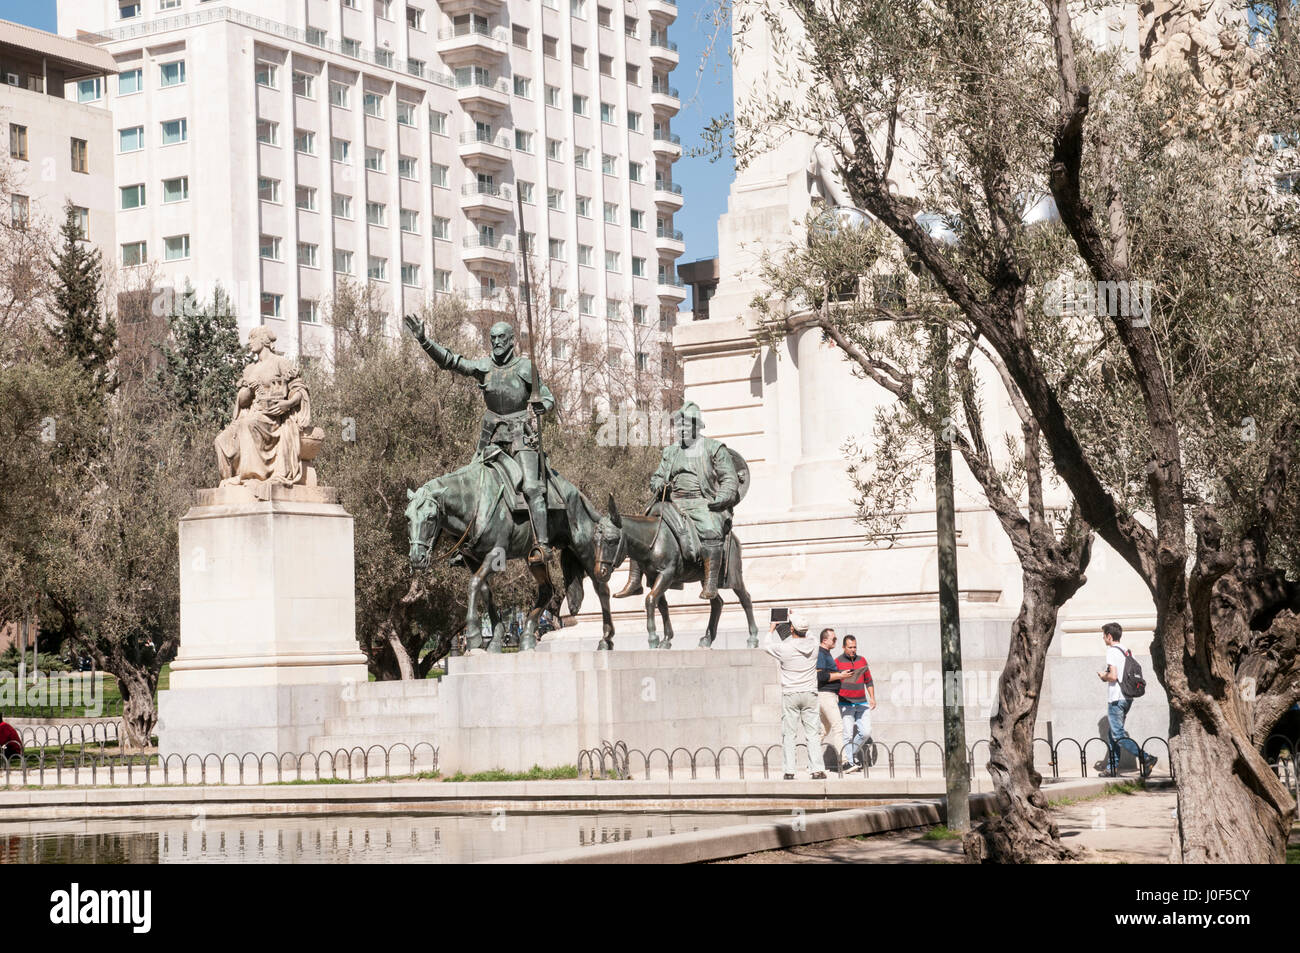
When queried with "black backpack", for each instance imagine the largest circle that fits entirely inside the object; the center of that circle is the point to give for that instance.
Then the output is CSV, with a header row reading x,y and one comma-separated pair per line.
x,y
1132,684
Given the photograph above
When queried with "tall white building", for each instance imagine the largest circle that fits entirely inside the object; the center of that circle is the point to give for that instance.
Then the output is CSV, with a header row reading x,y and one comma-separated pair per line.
x,y
279,146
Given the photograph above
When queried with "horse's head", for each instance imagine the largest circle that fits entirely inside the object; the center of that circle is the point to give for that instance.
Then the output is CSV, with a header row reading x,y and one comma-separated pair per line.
x,y
424,516
609,545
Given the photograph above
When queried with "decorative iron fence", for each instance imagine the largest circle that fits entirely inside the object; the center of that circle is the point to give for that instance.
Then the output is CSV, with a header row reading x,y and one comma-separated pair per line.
x,y
94,764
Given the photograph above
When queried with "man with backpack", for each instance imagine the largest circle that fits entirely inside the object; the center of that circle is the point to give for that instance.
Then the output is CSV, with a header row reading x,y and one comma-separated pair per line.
x,y
1124,682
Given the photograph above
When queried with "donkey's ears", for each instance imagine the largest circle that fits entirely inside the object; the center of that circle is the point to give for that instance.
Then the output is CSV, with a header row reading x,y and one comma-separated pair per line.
x,y
614,516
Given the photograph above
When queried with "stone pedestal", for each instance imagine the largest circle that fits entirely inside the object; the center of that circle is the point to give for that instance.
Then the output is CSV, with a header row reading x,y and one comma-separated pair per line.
x,y
268,621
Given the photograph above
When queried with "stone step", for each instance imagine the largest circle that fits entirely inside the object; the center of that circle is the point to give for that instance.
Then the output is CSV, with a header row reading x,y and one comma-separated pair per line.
x,y
417,725
391,705
423,686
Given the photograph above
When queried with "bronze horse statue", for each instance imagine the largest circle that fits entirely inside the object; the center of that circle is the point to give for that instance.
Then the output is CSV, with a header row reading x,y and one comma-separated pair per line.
x,y
471,506
649,541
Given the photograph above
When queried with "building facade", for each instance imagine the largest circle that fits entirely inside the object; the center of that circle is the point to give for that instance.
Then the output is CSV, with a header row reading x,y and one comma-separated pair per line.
x,y
59,138
281,146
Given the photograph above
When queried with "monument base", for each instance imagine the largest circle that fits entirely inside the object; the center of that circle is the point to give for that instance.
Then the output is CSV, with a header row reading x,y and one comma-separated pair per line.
x,y
267,614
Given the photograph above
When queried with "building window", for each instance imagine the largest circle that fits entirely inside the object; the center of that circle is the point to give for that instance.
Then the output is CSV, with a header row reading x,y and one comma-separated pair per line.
x,y
90,90
80,161
579,105
555,199
304,197
339,149
586,303
374,159
376,213
629,26
555,150
634,122
128,9
271,305
351,47
128,140
410,220
384,58
81,216
415,18
582,205
308,311
611,213
437,122
405,113
340,95
523,87
609,164
556,249
175,131
130,81
176,247
304,142
604,17
607,113
634,171
578,8
268,190
269,247
171,74
20,211
132,196
439,173
611,261
373,105
176,190
584,255
384,9
441,280
267,75
377,270
638,313
342,206
553,96
316,36
441,227
580,56
611,309
268,132
633,75
637,218
410,275
304,85
524,141
342,262
606,65
526,192
581,157
638,267
406,167
550,46
307,253
135,253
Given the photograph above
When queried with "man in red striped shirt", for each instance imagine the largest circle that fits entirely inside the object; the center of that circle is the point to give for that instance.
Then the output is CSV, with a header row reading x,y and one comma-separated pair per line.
x,y
857,698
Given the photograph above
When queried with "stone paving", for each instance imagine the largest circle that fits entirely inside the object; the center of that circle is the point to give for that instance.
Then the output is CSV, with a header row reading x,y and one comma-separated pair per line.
x,y
1119,828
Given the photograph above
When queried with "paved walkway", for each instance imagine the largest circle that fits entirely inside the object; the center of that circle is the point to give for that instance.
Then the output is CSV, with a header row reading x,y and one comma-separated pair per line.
x,y
1119,828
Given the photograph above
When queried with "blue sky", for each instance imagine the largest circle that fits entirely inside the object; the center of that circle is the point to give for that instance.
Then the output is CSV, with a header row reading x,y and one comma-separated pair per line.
x,y
705,90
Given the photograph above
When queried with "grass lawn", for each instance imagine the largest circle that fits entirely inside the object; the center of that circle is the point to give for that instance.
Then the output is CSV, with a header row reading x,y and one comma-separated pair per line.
x,y
110,705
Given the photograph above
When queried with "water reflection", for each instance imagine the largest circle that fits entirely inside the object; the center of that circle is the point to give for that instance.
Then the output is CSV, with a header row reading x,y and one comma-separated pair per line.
x,y
350,838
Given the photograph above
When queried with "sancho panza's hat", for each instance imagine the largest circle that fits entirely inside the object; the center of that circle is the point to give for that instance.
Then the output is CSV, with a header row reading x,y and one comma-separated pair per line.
x,y
689,411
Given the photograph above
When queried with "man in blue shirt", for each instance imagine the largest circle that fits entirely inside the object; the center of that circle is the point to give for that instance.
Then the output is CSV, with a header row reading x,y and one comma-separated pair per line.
x,y
828,692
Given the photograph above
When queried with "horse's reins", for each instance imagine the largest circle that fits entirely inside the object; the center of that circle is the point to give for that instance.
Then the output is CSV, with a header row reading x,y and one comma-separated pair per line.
x,y
456,547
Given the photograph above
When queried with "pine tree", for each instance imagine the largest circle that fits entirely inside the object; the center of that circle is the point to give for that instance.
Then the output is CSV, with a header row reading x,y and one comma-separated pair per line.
x,y
83,331
202,358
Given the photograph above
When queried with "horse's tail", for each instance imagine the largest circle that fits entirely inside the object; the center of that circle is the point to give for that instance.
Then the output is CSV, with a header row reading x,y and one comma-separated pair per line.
x,y
573,576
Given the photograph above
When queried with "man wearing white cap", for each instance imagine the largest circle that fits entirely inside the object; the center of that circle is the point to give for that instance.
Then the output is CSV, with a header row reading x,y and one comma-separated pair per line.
x,y
797,656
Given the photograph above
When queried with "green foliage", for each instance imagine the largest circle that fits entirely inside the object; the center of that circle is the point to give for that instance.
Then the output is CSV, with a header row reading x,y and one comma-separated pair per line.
x,y
202,359
82,329
566,772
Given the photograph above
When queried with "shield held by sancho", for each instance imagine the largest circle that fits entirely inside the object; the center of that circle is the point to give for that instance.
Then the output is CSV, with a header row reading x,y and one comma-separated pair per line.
x,y
742,473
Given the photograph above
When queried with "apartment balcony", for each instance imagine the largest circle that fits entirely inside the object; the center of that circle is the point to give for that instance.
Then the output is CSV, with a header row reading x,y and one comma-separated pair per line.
x,y
665,10
454,8
468,45
475,147
663,52
477,252
494,301
495,199
671,289
665,99
667,145
670,242
669,195
475,95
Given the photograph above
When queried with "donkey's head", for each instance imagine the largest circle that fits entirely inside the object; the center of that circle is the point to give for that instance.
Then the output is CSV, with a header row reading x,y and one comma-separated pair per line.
x,y
610,547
